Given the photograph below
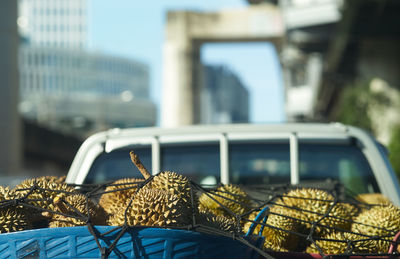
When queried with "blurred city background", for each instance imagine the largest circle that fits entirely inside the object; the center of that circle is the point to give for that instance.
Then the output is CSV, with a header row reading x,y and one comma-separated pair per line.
x,y
70,68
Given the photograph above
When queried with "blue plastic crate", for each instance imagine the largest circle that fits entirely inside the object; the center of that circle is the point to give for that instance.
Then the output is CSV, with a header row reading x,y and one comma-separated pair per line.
x,y
78,242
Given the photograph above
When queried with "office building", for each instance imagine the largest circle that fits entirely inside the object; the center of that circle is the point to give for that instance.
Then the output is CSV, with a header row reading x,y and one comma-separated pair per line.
x,y
65,86
54,23
224,98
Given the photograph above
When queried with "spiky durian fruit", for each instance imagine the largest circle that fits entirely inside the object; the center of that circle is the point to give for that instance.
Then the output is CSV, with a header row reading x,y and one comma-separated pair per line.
x,y
6,193
218,222
381,223
312,205
277,230
37,194
152,207
342,242
52,178
116,194
12,218
172,182
41,191
373,198
178,185
78,209
230,196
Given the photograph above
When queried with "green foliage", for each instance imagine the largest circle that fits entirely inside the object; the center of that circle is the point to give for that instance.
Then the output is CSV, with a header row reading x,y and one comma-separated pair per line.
x,y
355,103
353,106
394,149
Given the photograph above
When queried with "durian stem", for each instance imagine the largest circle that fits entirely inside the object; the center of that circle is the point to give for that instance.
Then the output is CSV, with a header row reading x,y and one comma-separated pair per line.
x,y
135,159
60,205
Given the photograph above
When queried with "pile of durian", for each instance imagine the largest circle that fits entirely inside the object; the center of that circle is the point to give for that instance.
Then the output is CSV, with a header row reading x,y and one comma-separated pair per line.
x,y
314,221
46,201
296,220
164,200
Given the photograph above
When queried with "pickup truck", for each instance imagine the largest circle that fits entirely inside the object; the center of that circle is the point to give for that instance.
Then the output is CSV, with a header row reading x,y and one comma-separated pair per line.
x,y
244,154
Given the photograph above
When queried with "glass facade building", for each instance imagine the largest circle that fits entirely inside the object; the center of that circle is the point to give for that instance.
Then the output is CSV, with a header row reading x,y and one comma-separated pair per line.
x,y
224,97
54,23
65,86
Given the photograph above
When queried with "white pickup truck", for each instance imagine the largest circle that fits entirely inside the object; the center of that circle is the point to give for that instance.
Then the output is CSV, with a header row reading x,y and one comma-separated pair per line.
x,y
242,154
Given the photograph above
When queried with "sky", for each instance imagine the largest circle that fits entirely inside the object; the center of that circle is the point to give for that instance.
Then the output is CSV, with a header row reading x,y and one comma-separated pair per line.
x,y
135,29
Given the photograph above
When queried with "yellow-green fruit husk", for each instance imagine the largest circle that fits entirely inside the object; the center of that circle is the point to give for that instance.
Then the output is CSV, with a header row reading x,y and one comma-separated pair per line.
x,y
311,205
71,205
52,178
40,192
379,221
6,193
344,242
278,230
173,183
373,198
116,194
152,207
232,197
217,222
12,218
178,185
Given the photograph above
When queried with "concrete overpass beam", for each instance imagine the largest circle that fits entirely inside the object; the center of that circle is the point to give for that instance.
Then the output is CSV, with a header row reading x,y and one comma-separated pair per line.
x,y
186,31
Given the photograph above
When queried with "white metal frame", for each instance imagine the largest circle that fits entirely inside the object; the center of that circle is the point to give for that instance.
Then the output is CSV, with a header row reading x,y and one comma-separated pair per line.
x,y
293,133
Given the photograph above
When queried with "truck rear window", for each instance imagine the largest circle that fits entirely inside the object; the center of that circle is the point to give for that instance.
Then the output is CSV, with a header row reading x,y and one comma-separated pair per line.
x,y
117,164
201,162
345,163
269,163
249,164
259,163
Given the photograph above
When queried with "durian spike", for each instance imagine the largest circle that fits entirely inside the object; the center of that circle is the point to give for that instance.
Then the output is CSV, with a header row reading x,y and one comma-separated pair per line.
x,y
136,161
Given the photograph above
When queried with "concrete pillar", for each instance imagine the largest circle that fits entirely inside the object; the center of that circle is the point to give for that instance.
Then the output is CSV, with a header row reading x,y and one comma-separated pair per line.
x,y
177,73
10,126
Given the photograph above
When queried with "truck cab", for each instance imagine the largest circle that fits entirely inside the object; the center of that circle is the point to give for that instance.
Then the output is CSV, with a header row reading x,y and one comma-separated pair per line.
x,y
245,154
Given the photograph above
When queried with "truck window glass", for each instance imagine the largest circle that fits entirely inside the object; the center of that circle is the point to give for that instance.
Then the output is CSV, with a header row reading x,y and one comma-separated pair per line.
x,y
117,164
344,163
199,162
259,163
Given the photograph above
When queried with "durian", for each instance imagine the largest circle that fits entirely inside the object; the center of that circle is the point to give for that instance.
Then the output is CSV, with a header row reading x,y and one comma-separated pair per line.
x,y
152,207
52,178
116,194
278,230
78,208
218,222
234,199
12,218
41,191
6,193
36,195
345,242
172,182
178,185
381,222
373,198
310,205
